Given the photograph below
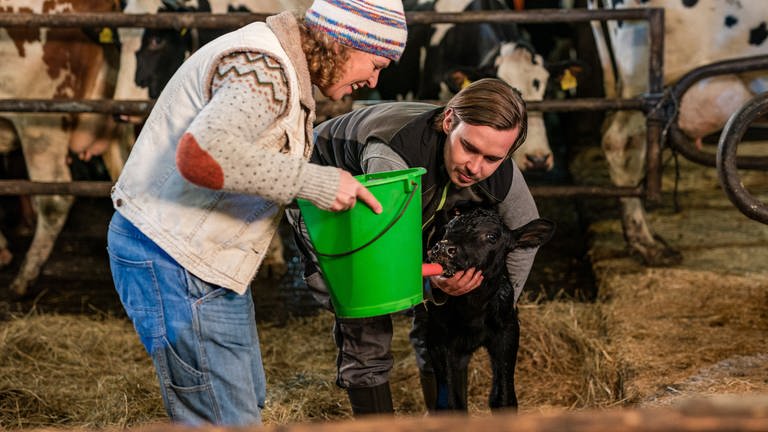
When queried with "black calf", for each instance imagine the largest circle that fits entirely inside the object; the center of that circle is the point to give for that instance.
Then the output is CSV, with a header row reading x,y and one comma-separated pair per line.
x,y
486,316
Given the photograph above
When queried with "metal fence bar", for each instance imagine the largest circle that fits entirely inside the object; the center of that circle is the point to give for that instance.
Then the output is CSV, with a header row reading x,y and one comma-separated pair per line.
x,y
175,20
237,19
137,107
104,106
78,188
102,189
683,144
654,120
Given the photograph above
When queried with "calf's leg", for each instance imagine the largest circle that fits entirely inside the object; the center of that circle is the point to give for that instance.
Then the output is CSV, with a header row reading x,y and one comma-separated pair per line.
x,y
450,377
502,349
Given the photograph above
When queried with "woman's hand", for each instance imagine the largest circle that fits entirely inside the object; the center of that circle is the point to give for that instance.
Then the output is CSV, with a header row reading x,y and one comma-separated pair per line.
x,y
460,283
350,190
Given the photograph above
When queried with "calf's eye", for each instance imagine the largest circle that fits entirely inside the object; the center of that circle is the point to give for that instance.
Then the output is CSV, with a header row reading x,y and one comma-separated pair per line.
x,y
492,237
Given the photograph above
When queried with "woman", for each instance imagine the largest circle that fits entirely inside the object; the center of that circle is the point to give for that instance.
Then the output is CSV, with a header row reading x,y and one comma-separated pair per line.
x,y
224,148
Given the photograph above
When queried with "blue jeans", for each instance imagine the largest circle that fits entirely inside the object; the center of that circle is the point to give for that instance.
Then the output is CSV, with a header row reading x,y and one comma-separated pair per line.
x,y
202,338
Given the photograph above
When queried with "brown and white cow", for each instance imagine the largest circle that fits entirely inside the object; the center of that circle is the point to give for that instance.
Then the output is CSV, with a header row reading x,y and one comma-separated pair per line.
x,y
71,63
50,63
696,33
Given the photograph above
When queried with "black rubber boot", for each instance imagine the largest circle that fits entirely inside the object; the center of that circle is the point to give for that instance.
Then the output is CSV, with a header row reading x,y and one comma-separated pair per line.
x,y
429,390
371,400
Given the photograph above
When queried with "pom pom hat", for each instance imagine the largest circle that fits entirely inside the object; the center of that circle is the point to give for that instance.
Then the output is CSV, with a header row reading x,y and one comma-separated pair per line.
x,y
373,26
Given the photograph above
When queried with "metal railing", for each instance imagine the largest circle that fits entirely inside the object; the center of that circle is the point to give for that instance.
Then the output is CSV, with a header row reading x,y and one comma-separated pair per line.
x,y
678,139
646,103
727,162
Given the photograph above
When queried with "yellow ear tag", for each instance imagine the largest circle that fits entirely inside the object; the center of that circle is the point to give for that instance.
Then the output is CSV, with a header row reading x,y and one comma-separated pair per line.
x,y
183,31
106,36
465,83
569,81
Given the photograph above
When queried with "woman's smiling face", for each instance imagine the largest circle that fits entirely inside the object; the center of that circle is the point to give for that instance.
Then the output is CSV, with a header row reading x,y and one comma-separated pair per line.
x,y
361,69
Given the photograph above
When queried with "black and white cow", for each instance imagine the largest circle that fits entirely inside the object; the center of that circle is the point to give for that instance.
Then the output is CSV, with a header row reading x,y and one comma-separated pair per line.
x,y
485,317
400,81
518,64
146,81
441,58
435,53
696,33
453,46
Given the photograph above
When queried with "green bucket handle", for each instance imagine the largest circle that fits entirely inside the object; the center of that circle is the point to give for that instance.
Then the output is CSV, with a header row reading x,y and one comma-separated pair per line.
x,y
414,188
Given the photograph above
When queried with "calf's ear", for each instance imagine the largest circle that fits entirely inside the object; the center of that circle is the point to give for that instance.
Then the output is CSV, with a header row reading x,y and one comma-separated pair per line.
x,y
533,234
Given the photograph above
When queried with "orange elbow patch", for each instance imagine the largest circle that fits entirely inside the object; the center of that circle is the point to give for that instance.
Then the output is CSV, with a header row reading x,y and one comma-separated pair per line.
x,y
196,165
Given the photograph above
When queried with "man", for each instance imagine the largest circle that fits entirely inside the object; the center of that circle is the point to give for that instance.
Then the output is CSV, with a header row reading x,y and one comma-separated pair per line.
x,y
466,148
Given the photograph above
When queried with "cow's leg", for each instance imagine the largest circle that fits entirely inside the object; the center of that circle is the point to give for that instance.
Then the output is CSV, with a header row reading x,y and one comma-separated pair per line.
x,y
625,149
45,151
502,350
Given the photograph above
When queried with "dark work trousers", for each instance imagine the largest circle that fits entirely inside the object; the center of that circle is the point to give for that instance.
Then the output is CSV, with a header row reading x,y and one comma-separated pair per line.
x,y
364,358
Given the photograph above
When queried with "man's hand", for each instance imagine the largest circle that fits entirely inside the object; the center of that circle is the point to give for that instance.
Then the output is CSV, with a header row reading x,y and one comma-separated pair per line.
x,y
460,283
349,191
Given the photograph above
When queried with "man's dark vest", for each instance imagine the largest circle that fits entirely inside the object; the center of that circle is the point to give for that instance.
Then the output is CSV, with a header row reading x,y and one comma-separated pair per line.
x,y
407,128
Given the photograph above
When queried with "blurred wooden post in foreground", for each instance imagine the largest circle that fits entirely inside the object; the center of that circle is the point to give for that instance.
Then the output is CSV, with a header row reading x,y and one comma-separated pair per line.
x,y
718,413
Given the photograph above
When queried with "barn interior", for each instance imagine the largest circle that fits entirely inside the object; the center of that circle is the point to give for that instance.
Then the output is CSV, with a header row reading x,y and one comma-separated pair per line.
x,y
600,330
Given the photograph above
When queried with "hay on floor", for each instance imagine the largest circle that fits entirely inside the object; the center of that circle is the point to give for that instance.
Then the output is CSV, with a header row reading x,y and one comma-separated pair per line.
x,y
74,371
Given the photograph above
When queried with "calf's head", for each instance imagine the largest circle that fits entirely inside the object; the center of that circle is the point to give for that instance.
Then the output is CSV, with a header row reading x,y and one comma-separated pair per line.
x,y
479,238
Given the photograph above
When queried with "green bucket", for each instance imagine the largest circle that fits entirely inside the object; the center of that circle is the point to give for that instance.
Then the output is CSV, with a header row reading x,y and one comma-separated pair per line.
x,y
372,263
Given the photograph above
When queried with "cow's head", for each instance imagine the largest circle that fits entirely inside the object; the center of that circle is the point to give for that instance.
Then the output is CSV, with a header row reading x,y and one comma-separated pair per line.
x,y
162,51
521,67
479,238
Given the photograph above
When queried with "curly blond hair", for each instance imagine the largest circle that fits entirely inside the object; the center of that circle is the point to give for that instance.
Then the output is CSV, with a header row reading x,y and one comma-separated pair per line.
x,y
325,57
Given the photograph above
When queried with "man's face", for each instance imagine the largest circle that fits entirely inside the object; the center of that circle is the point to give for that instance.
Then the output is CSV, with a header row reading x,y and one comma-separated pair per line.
x,y
473,153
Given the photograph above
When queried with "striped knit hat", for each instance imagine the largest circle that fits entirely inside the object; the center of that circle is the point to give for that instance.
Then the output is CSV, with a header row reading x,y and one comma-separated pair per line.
x,y
373,26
